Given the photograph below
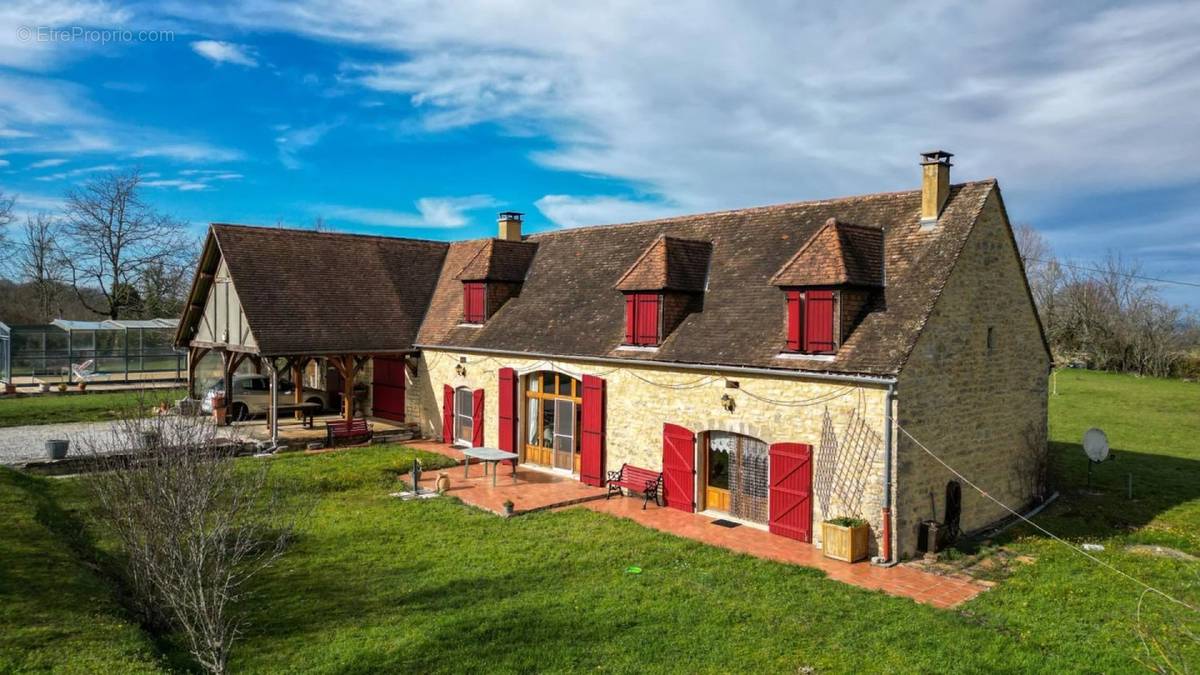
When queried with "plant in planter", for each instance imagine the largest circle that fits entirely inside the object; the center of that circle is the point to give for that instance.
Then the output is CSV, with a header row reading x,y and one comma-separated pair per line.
x,y
508,507
82,385
62,387
846,539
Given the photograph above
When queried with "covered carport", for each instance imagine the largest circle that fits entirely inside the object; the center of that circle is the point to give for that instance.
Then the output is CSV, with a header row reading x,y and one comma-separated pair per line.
x,y
281,299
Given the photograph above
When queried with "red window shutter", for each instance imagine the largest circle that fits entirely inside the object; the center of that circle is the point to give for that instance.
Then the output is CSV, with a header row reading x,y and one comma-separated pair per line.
x,y
790,494
477,418
630,318
591,442
793,321
679,467
508,410
473,302
647,319
447,414
818,322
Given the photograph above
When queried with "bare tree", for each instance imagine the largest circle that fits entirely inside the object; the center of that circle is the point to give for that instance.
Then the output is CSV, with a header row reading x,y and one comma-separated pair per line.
x,y
6,217
193,526
111,237
1045,276
37,262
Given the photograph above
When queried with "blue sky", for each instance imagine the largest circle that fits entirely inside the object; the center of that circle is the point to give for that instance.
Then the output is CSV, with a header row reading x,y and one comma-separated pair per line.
x,y
421,119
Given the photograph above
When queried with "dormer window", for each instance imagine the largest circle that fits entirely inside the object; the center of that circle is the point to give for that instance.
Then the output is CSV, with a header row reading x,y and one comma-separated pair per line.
x,y
662,287
474,302
812,321
829,285
643,319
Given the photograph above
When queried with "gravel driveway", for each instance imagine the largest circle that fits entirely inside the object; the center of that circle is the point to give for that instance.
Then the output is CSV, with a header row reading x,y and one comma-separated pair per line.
x,y
20,444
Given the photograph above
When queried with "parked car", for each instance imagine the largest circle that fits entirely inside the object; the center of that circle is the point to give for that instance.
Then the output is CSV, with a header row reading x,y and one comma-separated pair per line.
x,y
252,396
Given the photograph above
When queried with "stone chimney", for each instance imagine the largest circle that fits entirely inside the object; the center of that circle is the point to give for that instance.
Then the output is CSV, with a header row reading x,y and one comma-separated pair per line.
x,y
935,184
510,225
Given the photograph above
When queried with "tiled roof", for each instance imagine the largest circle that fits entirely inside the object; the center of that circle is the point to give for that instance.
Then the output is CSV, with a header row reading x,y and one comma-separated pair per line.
x,y
569,306
838,254
498,260
670,263
324,293
318,293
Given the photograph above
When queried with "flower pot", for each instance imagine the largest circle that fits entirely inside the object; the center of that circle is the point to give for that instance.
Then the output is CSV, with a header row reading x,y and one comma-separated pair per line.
x,y
57,449
847,543
508,508
443,482
10,388
83,386
44,387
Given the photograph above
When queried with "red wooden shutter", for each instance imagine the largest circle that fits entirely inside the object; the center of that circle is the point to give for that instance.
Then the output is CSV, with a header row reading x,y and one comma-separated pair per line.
x,y
818,322
647,319
679,467
447,414
790,495
630,314
508,410
477,418
473,302
591,450
793,320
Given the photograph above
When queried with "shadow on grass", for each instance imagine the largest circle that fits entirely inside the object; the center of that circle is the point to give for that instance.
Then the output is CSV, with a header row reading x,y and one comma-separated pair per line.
x,y
66,526
1160,483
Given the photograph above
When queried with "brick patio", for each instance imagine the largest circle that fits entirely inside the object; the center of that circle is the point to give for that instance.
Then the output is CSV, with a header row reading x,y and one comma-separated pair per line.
x,y
537,490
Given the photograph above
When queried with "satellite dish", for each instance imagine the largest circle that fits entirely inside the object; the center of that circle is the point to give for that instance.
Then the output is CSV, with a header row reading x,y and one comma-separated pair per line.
x,y
1095,444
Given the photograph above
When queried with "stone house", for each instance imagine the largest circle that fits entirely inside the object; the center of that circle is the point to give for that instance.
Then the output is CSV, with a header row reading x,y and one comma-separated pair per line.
x,y
777,364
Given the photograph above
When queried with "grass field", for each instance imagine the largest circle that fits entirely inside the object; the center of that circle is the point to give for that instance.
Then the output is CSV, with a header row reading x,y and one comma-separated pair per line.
x,y
374,584
87,407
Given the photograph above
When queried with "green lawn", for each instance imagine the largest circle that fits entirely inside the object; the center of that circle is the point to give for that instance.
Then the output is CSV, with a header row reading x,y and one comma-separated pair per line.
x,y
56,613
54,408
374,584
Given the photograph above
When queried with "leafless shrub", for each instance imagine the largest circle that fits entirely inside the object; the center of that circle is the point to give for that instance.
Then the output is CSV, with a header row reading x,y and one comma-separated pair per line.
x,y
1033,463
192,524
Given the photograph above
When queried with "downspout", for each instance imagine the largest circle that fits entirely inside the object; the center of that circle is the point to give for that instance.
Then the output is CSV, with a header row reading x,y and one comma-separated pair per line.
x,y
885,557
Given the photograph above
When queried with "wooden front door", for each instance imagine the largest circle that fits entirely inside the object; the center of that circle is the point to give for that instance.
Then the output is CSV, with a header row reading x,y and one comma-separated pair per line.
x,y
387,388
552,420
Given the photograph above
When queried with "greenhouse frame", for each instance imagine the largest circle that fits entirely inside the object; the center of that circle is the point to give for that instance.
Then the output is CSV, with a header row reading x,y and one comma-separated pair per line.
x,y
100,351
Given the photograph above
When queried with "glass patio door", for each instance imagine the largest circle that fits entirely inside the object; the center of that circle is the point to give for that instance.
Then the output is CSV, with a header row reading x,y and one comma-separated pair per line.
x,y
564,435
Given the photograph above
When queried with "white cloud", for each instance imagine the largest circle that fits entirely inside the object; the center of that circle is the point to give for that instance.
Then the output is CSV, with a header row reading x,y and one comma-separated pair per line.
x,y
47,163
188,152
766,102
431,212
179,184
23,49
225,52
75,173
4,162
291,141
573,211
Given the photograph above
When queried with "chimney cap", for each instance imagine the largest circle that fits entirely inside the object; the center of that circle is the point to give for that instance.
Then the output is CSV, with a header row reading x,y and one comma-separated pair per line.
x,y
510,215
936,157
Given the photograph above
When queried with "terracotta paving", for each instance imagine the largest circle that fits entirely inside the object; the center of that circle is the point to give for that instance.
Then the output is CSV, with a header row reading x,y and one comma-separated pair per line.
x,y
536,490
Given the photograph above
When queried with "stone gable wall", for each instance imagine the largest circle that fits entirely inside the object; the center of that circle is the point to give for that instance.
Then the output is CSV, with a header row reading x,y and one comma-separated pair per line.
x,y
972,406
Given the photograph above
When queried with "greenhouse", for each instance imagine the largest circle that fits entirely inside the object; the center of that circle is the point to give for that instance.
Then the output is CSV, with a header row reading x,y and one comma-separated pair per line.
x,y
91,351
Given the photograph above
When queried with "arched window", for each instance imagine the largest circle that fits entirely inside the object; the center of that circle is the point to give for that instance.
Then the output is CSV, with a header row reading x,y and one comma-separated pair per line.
x,y
552,405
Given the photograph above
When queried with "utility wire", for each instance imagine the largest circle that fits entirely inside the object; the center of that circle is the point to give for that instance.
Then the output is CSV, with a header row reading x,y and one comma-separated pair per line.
x,y
1122,274
1041,529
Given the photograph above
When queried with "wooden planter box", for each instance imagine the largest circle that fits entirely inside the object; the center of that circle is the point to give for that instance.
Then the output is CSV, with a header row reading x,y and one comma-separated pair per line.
x,y
850,544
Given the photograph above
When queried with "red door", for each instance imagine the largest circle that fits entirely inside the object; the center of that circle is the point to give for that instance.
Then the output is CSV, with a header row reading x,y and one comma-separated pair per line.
x,y
790,495
387,388
679,467
591,446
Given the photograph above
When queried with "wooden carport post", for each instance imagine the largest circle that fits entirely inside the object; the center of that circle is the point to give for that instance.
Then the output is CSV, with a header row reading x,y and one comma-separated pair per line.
x,y
195,355
348,366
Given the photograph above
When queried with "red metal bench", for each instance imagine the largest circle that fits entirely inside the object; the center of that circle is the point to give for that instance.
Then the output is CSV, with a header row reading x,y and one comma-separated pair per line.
x,y
340,429
630,477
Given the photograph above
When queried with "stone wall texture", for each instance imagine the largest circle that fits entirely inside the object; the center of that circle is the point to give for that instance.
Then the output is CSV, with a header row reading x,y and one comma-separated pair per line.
x,y
640,399
973,406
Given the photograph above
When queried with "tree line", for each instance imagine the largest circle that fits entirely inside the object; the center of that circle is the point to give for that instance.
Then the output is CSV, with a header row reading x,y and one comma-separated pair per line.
x,y
106,254
1108,316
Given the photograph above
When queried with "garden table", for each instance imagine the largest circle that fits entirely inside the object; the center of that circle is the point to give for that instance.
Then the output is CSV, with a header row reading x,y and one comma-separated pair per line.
x,y
491,456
